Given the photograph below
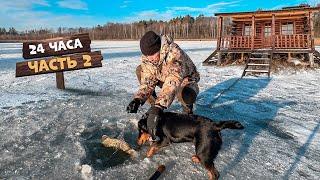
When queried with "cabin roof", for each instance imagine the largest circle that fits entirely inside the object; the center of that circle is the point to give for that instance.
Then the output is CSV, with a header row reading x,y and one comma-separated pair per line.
x,y
286,11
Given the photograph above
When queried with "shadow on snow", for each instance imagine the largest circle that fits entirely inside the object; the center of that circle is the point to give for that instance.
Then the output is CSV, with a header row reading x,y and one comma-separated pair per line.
x,y
301,152
238,102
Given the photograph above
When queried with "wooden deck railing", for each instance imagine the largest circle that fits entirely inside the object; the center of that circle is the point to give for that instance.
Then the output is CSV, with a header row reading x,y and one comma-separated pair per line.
x,y
292,41
236,42
295,41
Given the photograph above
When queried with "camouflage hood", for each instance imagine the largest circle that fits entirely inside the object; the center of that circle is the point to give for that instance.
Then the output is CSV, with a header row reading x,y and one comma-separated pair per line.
x,y
174,69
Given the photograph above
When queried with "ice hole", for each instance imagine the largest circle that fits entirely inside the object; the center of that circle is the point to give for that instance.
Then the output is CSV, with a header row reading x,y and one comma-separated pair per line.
x,y
98,156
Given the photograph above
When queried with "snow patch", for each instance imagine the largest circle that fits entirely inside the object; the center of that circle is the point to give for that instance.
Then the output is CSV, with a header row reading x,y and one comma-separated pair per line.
x,y
46,132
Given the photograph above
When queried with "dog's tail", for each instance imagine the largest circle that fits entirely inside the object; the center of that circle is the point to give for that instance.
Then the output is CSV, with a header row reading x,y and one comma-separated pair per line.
x,y
229,125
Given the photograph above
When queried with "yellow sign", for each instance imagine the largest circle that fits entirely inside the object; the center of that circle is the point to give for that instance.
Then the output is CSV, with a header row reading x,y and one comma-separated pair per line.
x,y
55,64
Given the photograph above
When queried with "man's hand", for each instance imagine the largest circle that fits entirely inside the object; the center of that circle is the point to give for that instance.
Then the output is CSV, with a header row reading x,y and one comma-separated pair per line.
x,y
134,105
153,119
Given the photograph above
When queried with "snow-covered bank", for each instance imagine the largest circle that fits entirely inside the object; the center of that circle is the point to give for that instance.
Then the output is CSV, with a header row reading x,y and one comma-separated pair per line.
x,y
49,133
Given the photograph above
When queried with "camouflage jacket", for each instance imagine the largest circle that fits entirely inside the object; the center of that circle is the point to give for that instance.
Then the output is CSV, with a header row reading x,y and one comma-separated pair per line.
x,y
174,68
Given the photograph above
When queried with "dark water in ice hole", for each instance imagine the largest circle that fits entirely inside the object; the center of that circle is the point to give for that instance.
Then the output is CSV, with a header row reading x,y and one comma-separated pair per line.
x,y
100,157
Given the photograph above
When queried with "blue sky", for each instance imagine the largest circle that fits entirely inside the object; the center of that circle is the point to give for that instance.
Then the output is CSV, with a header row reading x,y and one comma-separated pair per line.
x,y
28,14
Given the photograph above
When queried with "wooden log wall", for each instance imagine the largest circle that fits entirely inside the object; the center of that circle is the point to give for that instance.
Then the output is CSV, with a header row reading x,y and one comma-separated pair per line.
x,y
300,38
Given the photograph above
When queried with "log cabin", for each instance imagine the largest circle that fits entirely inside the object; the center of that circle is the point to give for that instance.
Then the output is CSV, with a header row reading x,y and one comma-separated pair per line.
x,y
260,35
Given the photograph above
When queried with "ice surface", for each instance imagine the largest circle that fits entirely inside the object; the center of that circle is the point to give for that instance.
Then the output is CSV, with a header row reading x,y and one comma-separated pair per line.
x,y
47,133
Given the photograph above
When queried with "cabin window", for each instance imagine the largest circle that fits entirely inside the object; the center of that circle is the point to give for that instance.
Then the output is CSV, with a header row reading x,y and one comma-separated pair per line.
x,y
287,29
267,30
247,30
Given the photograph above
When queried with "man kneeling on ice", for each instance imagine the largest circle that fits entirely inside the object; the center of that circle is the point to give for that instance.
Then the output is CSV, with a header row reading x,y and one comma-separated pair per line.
x,y
165,65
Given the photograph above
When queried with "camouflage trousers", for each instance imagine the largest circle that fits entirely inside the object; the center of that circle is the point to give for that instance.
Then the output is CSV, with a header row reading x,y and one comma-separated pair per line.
x,y
186,94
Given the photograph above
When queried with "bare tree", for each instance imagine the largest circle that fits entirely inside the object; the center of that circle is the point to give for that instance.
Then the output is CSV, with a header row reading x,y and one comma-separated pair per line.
x,y
186,27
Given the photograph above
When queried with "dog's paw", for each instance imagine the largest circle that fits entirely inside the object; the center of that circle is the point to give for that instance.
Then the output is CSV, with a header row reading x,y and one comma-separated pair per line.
x,y
195,159
151,151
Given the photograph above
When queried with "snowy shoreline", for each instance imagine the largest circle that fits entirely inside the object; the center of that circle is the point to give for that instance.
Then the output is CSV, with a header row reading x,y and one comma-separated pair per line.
x,y
49,133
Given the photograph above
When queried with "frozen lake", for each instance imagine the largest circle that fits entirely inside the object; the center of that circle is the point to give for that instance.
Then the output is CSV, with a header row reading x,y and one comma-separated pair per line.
x,y
48,133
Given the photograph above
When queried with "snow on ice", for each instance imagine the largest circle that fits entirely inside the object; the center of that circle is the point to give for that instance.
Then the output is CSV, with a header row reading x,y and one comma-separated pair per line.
x,y
47,133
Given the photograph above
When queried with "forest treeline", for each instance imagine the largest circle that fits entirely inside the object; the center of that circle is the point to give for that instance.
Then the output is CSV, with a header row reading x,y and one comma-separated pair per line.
x,y
186,27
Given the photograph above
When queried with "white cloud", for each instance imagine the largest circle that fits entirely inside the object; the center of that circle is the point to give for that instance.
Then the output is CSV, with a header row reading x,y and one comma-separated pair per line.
x,y
313,2
280,6
288,3
39,2
73,4
21,15
20,5
208,10
125,4
171,12
154,14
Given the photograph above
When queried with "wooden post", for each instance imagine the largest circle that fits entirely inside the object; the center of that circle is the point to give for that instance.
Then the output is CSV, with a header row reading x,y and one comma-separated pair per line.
x,y
219,58
242,57
253,31
220,28
311,30
60,80
289,57
311,59
273,30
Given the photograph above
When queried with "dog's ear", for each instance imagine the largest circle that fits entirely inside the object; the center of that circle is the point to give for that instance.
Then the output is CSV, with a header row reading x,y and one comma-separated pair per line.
x,y
142,125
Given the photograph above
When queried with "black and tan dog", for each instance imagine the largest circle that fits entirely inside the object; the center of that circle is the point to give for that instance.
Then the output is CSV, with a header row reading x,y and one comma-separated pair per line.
x,y
177,128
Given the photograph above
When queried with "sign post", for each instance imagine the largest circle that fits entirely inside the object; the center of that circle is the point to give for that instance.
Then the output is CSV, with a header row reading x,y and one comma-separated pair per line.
x,y
58,55
60,80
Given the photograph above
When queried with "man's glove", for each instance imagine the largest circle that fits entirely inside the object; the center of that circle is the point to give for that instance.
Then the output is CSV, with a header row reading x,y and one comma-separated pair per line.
x,y
134,105
153,120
